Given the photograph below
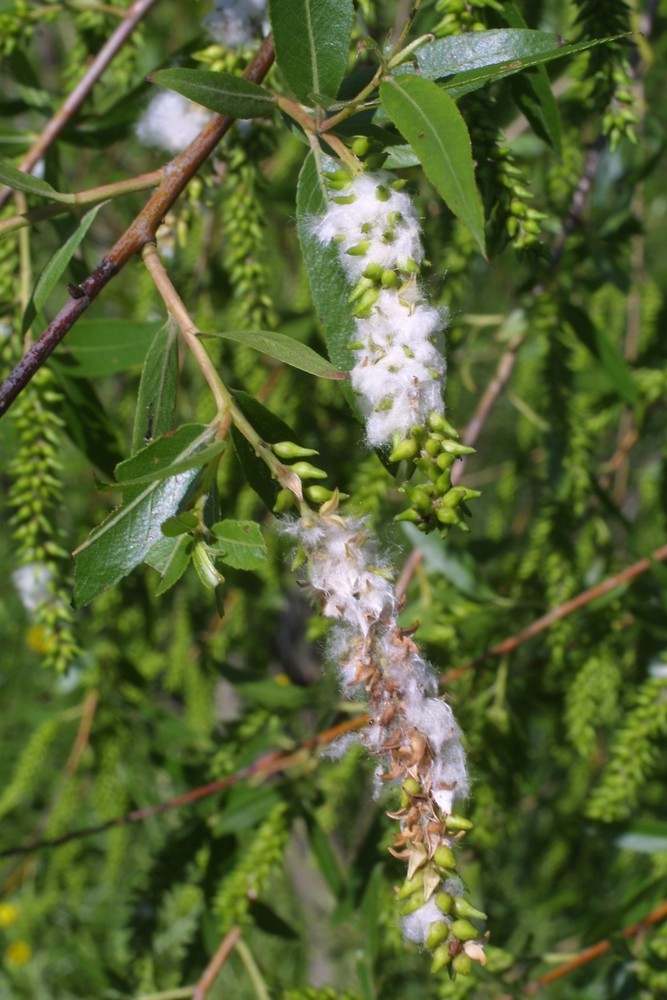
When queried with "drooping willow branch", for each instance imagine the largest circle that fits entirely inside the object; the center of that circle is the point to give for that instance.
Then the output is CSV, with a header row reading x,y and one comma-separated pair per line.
x,y
178,174
281,760
73,101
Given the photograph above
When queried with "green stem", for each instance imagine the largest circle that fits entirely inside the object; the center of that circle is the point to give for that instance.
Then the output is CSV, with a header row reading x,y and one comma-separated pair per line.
x,y
252,969
226,409
91,197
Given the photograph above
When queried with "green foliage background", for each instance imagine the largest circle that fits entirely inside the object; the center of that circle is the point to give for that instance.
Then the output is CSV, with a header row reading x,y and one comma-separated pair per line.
x,y
565,735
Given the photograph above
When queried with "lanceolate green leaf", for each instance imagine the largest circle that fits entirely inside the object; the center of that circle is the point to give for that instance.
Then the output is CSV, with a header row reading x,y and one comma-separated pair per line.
x,y
328,283
99,347
285,349
222,92
170,557
239,544
312,39
56,266
494,60
20,181
532,90
434,127
124,539
156,402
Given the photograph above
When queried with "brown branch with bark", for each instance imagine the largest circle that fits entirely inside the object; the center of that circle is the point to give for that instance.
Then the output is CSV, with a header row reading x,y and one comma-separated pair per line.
x,y
178,174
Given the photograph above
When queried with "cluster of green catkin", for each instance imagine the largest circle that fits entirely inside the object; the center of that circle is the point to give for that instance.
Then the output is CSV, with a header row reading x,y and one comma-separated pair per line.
x,y
432,450
36,495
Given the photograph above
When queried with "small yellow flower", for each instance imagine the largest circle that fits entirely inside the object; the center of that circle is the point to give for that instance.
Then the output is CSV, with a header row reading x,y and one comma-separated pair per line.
x,y
9,914
18,953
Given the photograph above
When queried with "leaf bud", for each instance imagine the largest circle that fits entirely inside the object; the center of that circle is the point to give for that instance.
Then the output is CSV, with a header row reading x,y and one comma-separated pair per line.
x,y
289,449
444,857
405,451
438,933
444,902
462,964
464,930
304,470
205,567
462,908
441,958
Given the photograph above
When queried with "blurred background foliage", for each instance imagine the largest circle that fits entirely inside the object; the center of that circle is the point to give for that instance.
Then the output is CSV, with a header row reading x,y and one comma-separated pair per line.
x,y
137,699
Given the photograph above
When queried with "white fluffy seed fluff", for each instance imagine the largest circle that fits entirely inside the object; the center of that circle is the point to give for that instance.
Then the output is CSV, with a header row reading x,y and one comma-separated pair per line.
x,y
32,583
237,24
346,576
171,122
399,370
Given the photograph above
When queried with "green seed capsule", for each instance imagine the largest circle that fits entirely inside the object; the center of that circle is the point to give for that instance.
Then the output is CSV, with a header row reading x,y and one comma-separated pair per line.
x,y
432,447
447,516
318,494
444,857
459,823
438,933
464,930
345,199
284,501
443,483
462,908
361,145
443,460
304,470
455,448
289,449
355,345
414,903
441,958
360,288
453,497
389,279
444,902
366,302
360,250
382,192
411,886
420,499
374,272
409,515
462,964
405,451
412,786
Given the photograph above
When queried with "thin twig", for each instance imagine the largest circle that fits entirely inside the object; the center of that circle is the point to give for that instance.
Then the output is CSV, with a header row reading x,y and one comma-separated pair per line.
x,y
268,764
81,198
212,970
178,174
601,948
562,611
73,102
